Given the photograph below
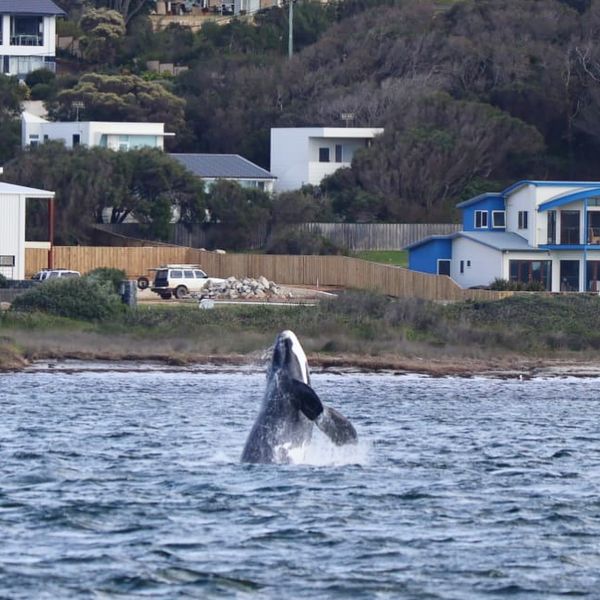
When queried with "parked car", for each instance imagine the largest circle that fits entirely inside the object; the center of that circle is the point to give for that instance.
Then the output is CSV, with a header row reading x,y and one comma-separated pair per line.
x,y
46,274
180,280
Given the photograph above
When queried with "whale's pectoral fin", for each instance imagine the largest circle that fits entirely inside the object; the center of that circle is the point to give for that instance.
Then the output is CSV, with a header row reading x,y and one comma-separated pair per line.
x,y
336,427
305,399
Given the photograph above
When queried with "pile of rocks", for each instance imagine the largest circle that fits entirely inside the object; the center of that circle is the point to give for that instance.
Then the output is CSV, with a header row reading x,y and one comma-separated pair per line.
x,y
247,288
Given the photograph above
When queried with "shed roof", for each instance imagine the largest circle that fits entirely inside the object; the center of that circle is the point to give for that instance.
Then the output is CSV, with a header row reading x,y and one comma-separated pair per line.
x,y
30,7
499,240
231,166
11,188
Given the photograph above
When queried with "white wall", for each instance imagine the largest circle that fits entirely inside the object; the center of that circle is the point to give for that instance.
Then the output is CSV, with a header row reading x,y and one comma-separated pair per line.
x,y
295,152
90,132
522,200
12,233
289,157
486,263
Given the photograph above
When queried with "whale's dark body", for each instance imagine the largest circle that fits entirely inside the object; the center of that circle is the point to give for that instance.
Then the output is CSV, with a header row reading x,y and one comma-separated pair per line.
x,y
291,408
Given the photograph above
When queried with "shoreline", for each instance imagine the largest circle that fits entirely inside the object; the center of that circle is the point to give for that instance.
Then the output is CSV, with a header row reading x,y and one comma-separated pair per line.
x,y
499,368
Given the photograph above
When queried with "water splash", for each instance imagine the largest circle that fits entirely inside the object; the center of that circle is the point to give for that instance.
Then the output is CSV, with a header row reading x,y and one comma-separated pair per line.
x,y
321,452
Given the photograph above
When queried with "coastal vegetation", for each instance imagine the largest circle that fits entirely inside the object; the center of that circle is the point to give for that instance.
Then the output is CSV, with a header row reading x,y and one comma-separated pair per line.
x,y
465,108
360,327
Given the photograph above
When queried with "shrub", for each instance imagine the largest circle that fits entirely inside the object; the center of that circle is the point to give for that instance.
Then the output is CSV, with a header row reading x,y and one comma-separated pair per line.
x,y
3,281
76,298
106,275
302,242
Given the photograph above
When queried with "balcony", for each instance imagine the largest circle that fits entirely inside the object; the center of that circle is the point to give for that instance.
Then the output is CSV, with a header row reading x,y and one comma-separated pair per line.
x,y
26,39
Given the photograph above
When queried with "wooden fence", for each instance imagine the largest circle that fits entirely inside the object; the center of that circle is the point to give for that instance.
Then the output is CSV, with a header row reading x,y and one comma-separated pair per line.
x,y
295,270
354,236
378,236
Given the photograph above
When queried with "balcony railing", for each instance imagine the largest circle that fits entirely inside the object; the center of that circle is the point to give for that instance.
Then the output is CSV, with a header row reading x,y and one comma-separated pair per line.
x,y
26,40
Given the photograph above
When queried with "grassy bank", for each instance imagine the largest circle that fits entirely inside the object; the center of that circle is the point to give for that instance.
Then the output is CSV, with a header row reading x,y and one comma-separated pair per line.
x,y
354,325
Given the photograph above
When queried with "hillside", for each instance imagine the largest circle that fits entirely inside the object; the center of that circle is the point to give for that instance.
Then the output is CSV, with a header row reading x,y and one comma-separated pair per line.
x,y
472,94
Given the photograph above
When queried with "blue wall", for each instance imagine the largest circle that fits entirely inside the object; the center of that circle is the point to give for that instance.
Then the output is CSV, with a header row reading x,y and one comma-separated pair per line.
x,y
424,257
488,203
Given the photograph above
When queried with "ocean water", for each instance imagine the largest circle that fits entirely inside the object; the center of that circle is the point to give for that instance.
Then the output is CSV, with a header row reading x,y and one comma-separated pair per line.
x,y
128,485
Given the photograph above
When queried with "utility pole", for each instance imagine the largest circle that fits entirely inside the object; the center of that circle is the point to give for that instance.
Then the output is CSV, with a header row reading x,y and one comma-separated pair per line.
x,y
291,29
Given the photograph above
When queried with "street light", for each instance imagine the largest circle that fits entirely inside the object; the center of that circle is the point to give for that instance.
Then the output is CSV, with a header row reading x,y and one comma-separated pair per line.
x,y
347,117
77,104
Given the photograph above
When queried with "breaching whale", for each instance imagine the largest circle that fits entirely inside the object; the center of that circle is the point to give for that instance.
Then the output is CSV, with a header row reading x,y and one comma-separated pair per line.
x,y
291,408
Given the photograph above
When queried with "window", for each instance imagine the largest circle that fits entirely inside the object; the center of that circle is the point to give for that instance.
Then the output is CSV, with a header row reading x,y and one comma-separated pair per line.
x,y
1,28
462,266
7,260
323,154
26,31
569,227
468,264
498,219
123,142
76,139
522,219
46,137
551,227
527,271
338,153
569,275
188,274
34,140
103,141
481,219
443,266
176,275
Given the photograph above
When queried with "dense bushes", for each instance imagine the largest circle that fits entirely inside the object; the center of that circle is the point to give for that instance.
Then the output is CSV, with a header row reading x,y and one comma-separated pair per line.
x,y
106,275
302,242
78,298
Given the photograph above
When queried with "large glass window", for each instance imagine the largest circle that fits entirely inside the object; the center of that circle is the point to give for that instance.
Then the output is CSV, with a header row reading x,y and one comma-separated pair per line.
x,y
593,275
569,275
569,227
26,31
527,271
593,227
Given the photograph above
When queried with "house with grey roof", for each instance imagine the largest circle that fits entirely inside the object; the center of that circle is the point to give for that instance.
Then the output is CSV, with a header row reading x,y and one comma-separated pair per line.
x,y
27,36
232,167
546,232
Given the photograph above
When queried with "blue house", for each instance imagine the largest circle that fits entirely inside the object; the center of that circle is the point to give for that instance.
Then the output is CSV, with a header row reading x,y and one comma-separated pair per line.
x,y
544,231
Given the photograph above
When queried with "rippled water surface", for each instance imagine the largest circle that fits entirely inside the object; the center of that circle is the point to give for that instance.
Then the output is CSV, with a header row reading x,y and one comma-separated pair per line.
x,y
128,485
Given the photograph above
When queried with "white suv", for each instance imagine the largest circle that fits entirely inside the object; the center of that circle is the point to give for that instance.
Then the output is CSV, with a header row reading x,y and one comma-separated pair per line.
x,y
46,274
180,280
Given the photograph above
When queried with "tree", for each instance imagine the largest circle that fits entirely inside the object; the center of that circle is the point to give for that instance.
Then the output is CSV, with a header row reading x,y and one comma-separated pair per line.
x,y
121,98
127,8
147,184
434,147
103,30
242,210
12,93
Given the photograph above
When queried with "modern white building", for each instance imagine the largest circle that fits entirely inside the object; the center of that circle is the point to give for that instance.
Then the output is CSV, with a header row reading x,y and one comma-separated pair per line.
x,y
13,199
304,155
107,134
27,36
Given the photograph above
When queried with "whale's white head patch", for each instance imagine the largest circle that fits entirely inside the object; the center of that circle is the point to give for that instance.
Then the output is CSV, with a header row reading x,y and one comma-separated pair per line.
x,y
288,354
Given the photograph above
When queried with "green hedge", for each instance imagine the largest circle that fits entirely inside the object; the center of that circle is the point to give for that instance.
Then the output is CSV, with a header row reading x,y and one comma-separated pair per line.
x,y
75,298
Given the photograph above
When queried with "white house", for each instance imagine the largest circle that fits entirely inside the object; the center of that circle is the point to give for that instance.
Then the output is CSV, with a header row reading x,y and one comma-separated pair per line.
x,y
546,232
27,36
233,167
304,155
12,228
107,134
